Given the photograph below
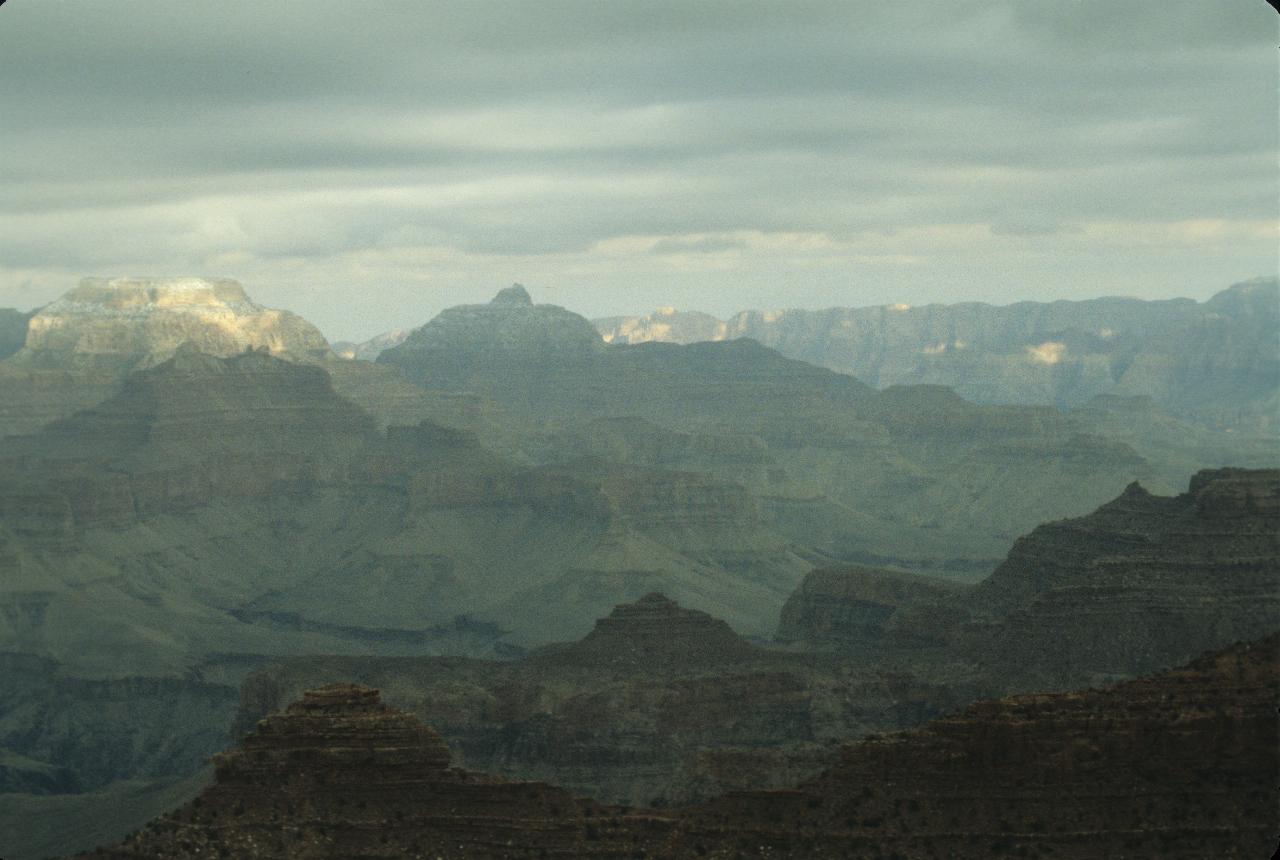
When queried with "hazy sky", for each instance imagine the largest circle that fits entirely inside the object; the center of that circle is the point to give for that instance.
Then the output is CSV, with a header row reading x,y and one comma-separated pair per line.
x,y
369,163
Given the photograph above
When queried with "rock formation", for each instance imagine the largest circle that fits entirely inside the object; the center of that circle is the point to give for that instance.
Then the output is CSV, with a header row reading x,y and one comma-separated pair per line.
x,y
1216,362
339,774
76,350
1181,765
468,342
647,707
913,476
655,633
850,608
124,323
1141,584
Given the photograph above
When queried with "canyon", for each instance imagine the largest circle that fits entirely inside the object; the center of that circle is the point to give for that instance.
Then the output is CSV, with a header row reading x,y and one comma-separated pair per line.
x,y
1181,764
502,522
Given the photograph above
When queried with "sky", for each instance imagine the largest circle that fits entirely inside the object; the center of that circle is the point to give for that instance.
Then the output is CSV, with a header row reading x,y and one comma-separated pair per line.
x,y
367,164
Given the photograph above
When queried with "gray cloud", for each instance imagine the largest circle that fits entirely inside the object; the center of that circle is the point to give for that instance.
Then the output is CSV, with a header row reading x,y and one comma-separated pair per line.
x,y
416,154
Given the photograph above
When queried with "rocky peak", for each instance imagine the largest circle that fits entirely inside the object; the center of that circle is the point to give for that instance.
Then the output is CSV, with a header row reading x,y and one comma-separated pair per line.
x,y
338,731
506,338
126,323
657,631
339,774
515,294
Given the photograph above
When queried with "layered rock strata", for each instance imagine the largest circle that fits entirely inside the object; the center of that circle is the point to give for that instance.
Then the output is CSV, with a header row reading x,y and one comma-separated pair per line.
x,y
1215,362
123,323
339,774
647,708
1181,765
1144,583
1141,584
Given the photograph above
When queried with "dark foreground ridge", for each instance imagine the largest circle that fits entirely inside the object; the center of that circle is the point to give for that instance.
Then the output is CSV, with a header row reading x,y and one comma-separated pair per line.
x,y
1179,765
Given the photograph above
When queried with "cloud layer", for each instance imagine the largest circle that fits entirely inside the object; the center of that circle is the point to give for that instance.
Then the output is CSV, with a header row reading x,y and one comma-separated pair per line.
x,y
368,164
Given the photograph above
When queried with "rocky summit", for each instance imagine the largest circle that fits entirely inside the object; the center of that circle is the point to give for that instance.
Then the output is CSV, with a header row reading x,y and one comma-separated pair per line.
x,y
1180,765
655,631
123,323
475,342
339,774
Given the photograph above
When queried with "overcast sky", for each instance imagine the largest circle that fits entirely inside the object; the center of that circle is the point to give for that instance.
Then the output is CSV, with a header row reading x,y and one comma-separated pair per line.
x,y
369,163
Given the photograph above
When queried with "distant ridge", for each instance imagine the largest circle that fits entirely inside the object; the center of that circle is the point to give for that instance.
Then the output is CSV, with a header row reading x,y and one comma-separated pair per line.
x,y
1217,362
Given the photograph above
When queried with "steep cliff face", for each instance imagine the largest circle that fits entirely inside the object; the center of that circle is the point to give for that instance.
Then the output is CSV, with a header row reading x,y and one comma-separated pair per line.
x,y
31,397
1179,765
852,609
1222,368
1141,584
1216,362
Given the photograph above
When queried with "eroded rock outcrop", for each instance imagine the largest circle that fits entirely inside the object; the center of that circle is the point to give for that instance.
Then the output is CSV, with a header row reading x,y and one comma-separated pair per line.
x,y
851,609
655,632
339,774
193,428
467,342
76,350
1141,584
658,703
1180,765
122,323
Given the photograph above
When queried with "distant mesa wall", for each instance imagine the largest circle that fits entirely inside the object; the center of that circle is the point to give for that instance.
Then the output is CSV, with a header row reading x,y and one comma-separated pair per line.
x,y
1217,362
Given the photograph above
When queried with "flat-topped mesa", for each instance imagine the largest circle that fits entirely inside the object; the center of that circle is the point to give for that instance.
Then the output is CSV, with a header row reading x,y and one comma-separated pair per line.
x,y
1252,494
337,733
656,632
125,323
